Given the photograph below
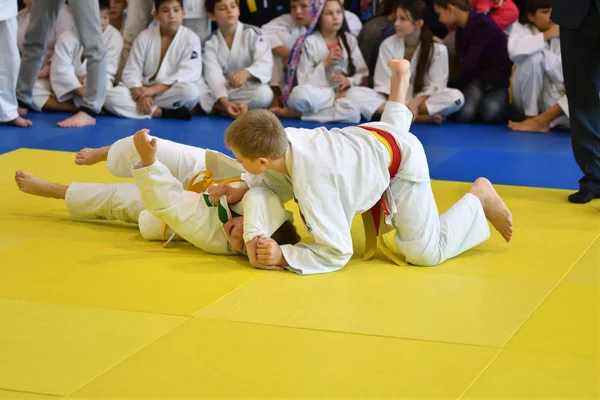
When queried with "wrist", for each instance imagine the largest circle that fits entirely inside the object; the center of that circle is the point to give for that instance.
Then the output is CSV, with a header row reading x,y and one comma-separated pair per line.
x,y
148,160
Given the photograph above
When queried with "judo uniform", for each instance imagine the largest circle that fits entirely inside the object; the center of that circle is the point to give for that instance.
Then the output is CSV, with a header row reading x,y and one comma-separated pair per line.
x,y
249,51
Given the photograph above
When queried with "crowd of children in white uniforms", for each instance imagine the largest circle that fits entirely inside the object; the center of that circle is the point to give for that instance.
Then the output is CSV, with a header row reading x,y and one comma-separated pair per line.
x,y
306,64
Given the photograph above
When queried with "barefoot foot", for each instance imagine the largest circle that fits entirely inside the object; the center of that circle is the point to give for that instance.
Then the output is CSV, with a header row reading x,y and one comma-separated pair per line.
x,y
530,125
91,156
78,120
494,208
31,184
429,119
400,67
20,122
285,112
22,111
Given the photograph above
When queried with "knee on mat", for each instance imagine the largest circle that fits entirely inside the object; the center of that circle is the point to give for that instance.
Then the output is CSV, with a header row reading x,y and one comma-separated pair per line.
x,y
467,114
263,97
189,94
494,111
298,99
423,258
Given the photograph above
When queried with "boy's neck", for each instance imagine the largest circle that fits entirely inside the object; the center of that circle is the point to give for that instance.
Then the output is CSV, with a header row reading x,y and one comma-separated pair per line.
x,y
279,166
167,33
228,31
463,18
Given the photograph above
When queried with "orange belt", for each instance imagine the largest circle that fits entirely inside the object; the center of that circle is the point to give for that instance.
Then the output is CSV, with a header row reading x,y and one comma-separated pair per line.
x,y
372,218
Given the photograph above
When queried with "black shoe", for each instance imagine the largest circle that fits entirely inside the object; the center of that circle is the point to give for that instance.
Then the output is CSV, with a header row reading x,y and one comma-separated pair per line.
x,y
178,113
584,196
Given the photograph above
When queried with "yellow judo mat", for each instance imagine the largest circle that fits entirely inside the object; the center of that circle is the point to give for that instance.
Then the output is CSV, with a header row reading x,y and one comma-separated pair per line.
x,y
91,310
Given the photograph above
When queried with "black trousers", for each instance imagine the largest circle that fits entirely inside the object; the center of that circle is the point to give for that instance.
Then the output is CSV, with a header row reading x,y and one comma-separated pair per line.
x,y
580,49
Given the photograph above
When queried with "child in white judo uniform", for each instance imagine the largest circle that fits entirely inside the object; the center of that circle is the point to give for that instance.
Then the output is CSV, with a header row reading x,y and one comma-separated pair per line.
x,y
161,170
538,89
330,66
9,66
65,89
283,31
429,99
335,174
238,63
64,22
162,77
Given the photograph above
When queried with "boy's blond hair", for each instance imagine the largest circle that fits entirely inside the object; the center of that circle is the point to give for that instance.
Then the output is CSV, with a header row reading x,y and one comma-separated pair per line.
x,y
257,133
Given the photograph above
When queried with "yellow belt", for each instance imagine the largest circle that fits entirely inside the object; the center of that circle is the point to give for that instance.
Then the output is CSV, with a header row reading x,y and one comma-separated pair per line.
x,y
199,187
372,239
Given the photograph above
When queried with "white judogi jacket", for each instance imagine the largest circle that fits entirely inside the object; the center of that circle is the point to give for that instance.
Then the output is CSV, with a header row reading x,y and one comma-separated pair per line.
x,y
68,62
434,80
311,70
525,40
349,177
8,9
249,51
193,217
182,61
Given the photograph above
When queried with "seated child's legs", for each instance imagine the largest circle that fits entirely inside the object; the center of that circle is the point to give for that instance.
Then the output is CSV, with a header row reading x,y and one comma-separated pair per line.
x,y
526,85
445,102
366,99
255,95
180,95
42,91
473,94
494,106
119,102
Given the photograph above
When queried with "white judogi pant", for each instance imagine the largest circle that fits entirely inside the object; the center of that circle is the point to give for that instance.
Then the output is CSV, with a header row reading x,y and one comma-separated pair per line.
x,y
42,91
122,201
443,102
9,69
119,100
424,237
255,94
319,104
533,92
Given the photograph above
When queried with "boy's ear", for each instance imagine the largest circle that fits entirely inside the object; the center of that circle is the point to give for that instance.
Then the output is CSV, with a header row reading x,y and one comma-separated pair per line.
x,y
211,16
420,23
530,17
263,161
155,15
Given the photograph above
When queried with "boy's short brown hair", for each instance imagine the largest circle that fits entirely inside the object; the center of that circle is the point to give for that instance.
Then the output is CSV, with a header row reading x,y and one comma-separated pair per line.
x,y
257,133
286,234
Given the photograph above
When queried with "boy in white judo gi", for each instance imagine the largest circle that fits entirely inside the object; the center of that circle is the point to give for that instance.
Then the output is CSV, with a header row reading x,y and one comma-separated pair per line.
x,y
537,85
162,77
65,89
336,174
238,63
161,170
9,66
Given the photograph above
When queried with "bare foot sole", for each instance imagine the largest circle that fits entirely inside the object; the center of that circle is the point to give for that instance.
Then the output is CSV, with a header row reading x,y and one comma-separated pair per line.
x,y
494,207
285,112
429,119
22,111
31,184
20,122
78,120
529,125
91,156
